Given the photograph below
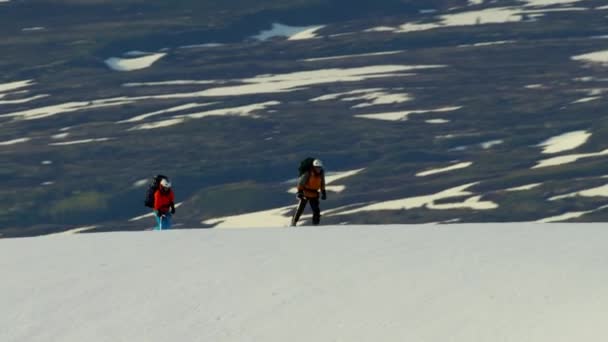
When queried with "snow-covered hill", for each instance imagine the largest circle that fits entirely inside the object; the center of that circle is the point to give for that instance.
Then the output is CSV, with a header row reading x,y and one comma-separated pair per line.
x,y
469,282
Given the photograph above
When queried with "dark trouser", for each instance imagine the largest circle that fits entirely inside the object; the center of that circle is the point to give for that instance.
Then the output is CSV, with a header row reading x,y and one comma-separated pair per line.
x,y
316,211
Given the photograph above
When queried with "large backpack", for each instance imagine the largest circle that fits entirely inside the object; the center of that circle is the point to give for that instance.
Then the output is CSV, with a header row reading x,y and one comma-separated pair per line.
x,y
305,165
149,200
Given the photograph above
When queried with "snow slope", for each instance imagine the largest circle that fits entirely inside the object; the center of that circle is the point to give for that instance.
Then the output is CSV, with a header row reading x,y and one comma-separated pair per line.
x,y
469,282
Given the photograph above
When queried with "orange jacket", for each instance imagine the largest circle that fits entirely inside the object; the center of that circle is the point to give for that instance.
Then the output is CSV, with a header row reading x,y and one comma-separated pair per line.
x,y
310,183
163,200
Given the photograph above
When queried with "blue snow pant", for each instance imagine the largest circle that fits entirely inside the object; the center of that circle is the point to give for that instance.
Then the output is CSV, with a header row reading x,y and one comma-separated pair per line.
x,y
163,222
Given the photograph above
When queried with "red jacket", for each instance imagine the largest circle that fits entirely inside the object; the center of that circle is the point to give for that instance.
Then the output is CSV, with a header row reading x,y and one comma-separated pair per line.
x,y
163,200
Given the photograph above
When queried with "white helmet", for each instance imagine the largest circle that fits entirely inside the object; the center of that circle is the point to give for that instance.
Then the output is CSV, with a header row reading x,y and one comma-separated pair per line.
x,y
165,183
317,163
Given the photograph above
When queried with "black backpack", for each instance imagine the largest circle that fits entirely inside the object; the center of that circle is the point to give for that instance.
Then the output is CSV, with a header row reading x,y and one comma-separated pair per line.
x,y
149,200
305,165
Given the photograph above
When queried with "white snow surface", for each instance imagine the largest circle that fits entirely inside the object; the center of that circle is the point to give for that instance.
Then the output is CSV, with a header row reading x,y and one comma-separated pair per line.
x,y
587,99
429,201
24,100
4,87
593,57
570,215
569,158
444,169
291,32
14,141
565,142
403,115
383,53
130,64
169,83
375,96
524,187
600,191
539,3
81,141
434,283
497,15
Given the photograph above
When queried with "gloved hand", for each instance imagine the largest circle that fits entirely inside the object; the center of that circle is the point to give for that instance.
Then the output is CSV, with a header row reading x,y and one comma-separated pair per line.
x,y
323,195
172,210
300,195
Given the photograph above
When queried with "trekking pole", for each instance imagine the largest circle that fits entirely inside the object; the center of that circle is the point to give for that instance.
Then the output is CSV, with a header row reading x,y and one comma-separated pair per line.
x,y
293,217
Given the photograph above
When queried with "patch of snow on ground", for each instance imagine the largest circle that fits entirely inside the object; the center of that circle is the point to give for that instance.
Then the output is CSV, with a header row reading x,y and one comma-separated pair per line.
x,y
247,110
46,111
6,87
14,141
306,34
427,201
377,96
489,144
384,53
24,100
403,115
600,191
497,15
524,187
565,142
380,29
593,57
569,215
242,111
291,32
587,99
74,231
539,3
32,29
169,83
168,110
567,159
437,121
206,45
60,136
280,217
499,42
82,141
158,124
335,96
131,64
444,169
299,79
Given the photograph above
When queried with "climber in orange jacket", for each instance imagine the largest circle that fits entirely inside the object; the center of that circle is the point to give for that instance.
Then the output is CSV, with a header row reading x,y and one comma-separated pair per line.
x,y
309,186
